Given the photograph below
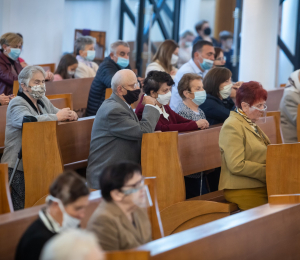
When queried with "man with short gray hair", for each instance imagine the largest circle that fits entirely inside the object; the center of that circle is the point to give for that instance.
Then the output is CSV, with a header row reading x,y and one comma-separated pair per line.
x,y
118,59
117,133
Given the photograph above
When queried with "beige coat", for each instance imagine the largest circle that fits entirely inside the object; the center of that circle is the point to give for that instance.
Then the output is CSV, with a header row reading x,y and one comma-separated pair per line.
x,y
115,231
243,155
289,108
84,71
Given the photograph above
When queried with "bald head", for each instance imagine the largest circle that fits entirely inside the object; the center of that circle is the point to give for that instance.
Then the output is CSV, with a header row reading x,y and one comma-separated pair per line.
x,y
121,78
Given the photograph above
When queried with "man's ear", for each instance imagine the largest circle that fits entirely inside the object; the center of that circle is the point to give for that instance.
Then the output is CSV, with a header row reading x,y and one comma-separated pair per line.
x,y
81,52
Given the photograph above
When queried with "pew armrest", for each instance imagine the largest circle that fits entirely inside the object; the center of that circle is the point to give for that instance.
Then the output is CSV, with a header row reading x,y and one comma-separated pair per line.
x,y
178,215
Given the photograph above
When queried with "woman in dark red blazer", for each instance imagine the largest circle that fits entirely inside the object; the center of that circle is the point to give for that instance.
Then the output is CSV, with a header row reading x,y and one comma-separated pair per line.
x,y
158,85
10,66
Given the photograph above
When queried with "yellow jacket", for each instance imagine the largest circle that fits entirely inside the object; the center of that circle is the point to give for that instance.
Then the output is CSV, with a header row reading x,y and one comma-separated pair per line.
x,y
243,155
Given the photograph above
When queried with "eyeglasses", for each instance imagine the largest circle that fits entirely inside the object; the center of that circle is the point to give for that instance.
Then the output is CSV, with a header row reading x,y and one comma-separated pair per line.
x,y
135,187
135,85
260,107
221,58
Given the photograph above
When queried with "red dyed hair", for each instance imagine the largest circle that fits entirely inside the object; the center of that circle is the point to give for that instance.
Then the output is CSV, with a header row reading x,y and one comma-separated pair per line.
x,y
250,92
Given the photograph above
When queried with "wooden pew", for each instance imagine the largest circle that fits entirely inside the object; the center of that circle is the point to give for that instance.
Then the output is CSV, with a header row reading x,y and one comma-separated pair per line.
x,y
266,232
5,198
276,115
48,66
298,123
284,199
17,222
169,156
79,88
3,110
283,169
61,100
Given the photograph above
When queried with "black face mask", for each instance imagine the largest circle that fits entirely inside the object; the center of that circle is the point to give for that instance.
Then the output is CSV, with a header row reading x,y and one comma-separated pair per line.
x,y
207,31
132,96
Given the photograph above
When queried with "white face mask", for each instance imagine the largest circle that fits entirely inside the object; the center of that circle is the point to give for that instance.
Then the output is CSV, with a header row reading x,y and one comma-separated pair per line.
x,y
226,91
68,221
71,73
174,59
164,99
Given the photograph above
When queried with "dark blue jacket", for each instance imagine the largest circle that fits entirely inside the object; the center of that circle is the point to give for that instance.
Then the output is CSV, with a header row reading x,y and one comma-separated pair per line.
x,y
101,82
217,110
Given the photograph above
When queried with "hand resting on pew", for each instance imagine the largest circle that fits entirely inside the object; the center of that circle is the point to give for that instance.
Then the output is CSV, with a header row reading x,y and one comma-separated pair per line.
x,y
66,114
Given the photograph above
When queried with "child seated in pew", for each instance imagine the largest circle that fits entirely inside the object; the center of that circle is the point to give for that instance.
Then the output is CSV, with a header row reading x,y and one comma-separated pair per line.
x,y
121,220
158,85
65,209
74,244
66,68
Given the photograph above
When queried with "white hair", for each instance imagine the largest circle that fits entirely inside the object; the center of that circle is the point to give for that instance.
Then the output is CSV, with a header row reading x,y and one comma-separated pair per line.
x,y
73,244
26,75
120,78
82,41
114,45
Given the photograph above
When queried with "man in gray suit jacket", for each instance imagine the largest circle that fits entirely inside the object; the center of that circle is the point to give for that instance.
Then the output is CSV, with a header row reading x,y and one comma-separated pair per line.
x,y
117,132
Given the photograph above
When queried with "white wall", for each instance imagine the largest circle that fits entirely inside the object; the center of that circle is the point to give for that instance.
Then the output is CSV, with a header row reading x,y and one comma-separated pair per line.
x,y
93,15
41,24
259,42
288,35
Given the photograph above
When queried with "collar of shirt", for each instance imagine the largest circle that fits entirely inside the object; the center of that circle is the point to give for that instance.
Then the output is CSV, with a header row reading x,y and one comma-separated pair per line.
x,y
163,112
48,221
86,62
195,67
127,104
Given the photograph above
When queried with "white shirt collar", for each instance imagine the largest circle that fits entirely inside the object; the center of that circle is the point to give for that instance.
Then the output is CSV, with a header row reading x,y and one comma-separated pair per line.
x,y
195,67
163,111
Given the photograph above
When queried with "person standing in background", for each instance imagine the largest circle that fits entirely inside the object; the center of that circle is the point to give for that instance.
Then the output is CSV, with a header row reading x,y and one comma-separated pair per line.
x,y
204,31
185,47
226,39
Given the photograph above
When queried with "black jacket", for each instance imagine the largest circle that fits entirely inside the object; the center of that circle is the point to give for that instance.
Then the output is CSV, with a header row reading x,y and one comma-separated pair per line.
x,y
33,241
101,82
217,110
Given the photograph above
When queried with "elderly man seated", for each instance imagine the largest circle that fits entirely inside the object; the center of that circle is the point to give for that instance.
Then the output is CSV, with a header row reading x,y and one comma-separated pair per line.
x,y
118,59
31,101
117,132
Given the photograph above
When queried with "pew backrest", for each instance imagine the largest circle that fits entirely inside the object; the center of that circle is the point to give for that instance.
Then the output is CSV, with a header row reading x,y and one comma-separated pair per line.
x,y
283,169
3,110
61,100
276,115
5,198
298,123
79,88
274,98
48,66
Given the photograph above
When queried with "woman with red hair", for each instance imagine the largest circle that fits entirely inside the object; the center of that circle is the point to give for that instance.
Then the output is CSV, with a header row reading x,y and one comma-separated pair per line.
x,y
243,148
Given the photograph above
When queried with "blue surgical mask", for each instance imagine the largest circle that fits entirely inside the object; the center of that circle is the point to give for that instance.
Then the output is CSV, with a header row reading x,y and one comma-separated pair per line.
x,y
200,97
14,53
122,62
206,64
90,55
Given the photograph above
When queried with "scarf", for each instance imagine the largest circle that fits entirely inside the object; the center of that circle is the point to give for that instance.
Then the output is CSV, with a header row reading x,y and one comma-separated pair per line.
x,y
253,125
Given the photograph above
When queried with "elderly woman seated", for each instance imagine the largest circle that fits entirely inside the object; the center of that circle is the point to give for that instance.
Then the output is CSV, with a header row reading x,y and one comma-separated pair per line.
x,y
66,204
190,89
243,148
121,220
31,101
85,51
158,85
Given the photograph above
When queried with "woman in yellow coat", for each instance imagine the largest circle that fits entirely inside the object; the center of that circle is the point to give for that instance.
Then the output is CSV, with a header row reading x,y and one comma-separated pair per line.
x,y
243,148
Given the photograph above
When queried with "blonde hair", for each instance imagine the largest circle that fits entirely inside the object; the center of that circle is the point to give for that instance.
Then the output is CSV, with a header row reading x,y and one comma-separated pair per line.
x,y
164,54
10,39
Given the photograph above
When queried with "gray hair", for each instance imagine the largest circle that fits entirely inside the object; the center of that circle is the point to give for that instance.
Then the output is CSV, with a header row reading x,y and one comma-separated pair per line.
x,y
120,78
82,41
114,45
186,33
73,244
26,75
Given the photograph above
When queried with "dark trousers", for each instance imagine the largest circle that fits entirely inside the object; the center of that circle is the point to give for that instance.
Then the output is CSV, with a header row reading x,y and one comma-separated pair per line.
x,y
192,186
